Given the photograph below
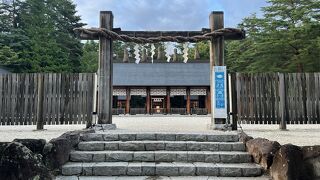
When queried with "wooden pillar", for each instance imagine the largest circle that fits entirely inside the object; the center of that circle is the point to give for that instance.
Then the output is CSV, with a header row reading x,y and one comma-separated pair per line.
x,y
233,100
188,101
128,97
216,59
283,101
40,117
208,101
168,101
105,71
148,99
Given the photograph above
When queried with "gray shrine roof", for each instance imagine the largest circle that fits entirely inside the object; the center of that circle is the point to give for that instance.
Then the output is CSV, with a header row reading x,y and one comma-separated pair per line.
x,y
161,74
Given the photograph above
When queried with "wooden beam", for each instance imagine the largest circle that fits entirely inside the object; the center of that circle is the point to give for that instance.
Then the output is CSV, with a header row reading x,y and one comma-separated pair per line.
x,y
188,101
208,101
40,116
128,101
148,99
168,100
152,34
105,71
283,101
216,21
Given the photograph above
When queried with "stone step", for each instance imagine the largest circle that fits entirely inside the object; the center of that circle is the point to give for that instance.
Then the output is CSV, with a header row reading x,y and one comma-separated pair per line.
x,y
158,178
161,169
161,156
224,137
160,145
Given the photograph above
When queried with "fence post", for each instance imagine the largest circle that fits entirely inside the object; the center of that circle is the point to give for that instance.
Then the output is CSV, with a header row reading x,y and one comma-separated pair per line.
x,y
283,101
233,100
40,101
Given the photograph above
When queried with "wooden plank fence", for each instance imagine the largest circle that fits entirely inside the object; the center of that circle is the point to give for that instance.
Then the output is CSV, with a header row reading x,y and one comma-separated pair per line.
x,y
258,98
67,98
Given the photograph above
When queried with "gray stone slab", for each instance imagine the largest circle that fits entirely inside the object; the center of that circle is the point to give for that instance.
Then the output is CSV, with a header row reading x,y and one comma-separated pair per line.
x,y
79,156
186,169
195,156
206,169
167,169
155,146
131,146
211,157
245,158
166,137
239,146
146,136
66,178
98,177
148,169
127,137
99,157
104,127
193,147
92,137
182,156
253,171
91,146
230,171
111,137
119,156
209,146
175,146
112,146
191,137
222,138
225,146
165,156
134,169
87,169
72,169
144,156
110,169
229,158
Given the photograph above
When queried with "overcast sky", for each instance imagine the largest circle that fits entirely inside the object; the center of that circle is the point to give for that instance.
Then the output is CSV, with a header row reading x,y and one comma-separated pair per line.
x,y
166,14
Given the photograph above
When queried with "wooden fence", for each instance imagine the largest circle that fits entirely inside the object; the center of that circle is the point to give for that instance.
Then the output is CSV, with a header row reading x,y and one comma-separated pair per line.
x,y
258,99
67,98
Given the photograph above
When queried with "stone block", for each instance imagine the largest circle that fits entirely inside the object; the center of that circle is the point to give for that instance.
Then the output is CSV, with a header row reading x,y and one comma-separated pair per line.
x,y
186,169
87,169
99,157
112,146
238,147
245,158
131,146
248,172
197,156
110,137
229,158
225,146
193,147
155,146
119,156
92,137
167,169
104,127
182,156
148,169
176,146
191,137
110,169
134,169
91,146
206,169
80,157
230,171
127,137
143,156
145,136
166,137
165,156
209,146
72,169
211,157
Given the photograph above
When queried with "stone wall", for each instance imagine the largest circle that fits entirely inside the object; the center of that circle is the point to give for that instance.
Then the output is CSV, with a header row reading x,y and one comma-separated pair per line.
x,y
286,162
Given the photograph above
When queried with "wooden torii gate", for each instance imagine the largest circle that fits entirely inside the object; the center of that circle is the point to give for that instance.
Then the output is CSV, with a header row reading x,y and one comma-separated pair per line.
x,y
216,34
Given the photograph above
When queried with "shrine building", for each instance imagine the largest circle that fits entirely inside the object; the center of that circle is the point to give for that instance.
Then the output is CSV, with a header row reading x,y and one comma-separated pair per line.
x,y
161,88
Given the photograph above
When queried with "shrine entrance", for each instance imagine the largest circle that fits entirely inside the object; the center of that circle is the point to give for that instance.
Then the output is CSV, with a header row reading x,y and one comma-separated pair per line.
x,y
214,35
158,105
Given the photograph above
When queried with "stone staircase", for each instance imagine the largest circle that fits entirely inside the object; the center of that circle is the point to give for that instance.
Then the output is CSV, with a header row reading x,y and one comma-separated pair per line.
x,y
159,154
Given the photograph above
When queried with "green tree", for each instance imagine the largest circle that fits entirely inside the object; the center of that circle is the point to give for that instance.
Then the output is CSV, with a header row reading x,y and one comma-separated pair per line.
x,y
90,58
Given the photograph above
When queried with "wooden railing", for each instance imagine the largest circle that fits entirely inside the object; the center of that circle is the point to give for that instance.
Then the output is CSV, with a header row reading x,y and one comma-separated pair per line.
x,y
199,111
181,111
134,111
117,111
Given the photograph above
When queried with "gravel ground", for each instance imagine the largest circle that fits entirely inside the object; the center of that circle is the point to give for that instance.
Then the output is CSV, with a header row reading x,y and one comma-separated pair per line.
x,y
296,134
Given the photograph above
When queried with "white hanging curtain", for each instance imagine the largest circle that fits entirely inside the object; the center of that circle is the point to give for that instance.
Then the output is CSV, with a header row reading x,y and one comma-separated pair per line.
x,y
198,92
119,92
138,92
178,92
158,92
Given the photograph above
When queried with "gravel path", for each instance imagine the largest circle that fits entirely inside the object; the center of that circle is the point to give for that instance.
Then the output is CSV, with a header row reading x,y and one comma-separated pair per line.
x,y
297,134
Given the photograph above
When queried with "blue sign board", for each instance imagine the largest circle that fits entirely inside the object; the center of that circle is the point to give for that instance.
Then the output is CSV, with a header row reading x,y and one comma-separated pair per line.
x,y
220,92
219,77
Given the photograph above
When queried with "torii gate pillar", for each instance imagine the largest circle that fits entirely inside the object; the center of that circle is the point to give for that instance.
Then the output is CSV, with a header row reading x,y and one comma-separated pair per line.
x,y
105,71
216,21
